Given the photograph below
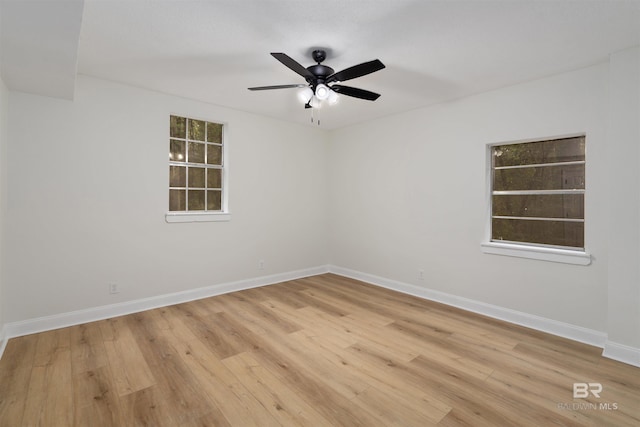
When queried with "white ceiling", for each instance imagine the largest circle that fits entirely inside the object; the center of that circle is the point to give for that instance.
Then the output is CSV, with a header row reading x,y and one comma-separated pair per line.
x,y
39,45
213,50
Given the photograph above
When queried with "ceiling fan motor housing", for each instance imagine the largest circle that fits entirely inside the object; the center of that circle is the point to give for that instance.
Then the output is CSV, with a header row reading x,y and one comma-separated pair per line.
x,y
320,72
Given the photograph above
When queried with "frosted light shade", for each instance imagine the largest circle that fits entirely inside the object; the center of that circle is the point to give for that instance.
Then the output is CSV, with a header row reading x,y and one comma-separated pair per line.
x,y
333,98
305,94
322,92
315,102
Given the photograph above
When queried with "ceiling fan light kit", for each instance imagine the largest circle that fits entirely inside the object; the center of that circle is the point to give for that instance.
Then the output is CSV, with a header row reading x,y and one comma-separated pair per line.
x,y
305,94
314,102
322,91
322,80
333,98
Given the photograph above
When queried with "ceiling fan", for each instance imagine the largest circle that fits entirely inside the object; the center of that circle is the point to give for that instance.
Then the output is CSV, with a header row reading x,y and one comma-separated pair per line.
x,y
321,79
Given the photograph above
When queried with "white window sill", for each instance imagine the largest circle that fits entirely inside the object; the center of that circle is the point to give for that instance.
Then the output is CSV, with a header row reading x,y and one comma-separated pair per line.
x,y
197,216
565,256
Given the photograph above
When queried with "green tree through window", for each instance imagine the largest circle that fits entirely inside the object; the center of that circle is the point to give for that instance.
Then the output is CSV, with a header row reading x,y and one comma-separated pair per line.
x,y
195,165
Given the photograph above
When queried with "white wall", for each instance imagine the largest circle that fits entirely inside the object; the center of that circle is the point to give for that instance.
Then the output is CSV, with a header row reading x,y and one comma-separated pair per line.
x,y
624,201
3,142
88,193
4,96
409,193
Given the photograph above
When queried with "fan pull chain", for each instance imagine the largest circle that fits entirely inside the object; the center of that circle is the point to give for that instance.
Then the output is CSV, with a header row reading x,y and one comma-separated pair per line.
x,y
318,119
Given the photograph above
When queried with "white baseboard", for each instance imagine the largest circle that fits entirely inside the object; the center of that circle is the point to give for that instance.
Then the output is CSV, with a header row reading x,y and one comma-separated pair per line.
x,y
41,324
612,350
566,330
3,340
622,353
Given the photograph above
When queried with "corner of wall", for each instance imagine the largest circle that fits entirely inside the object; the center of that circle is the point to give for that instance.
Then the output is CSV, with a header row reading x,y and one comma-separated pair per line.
x,y
3,203
622,353
3,341
623,278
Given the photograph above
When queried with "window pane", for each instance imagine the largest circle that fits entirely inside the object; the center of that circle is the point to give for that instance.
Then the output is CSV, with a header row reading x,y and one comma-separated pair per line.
x,y
214,132
177,200
214,154
196,130
214,200
214,178
517,154
176,151
539,178
178,127
177,176
559,233
553,151
196,152
542,206
196,177
564,150
196,200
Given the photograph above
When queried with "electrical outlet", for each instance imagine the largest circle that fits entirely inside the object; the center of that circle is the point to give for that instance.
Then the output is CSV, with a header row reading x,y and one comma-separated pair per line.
x,y
114,288
420,274
261,264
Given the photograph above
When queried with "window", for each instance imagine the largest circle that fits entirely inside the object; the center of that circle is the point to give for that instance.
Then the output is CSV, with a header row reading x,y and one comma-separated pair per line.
x,y
537,193
196,168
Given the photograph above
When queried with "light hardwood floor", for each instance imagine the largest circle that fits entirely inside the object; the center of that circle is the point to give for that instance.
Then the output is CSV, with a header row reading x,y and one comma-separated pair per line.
x,y
320,351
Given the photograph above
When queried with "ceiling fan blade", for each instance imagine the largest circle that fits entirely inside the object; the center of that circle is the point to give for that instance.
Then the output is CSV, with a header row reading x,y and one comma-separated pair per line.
x,y
276,87
356,71
355,92
292,64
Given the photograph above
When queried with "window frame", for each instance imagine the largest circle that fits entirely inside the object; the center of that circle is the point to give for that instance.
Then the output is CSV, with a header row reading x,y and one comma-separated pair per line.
x,y
542,252
204,216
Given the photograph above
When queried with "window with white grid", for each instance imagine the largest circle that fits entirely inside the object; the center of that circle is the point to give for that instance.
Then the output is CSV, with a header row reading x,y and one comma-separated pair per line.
x,y
196,166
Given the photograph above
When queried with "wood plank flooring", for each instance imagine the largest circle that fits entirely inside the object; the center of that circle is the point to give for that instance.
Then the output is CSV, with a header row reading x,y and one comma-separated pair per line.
x,y
320,351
